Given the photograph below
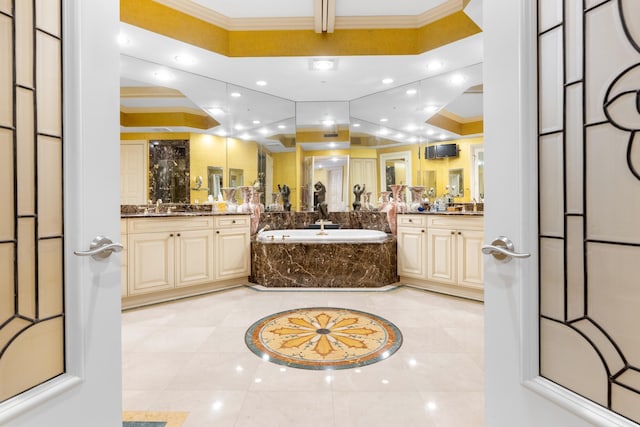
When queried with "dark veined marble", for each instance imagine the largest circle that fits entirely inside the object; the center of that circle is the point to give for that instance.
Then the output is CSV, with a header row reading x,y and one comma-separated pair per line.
x,y
370,220
329,265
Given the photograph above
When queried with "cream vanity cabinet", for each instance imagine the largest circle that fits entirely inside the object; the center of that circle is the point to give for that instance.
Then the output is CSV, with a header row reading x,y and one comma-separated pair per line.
x,y
454,247
232,247
168,253
442,253
412,246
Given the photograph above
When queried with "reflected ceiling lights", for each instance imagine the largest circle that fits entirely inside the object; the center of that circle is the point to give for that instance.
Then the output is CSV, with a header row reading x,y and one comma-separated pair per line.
x,y
216,111
323,64
356,125
457,79
328,122
434,65
281,126
235,94
387,81
261,83
123,40
431,108
411,91
163,75
185,59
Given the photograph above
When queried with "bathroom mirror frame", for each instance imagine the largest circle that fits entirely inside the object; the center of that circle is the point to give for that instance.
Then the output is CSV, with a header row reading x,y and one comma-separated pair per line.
x,y
404,156
456,182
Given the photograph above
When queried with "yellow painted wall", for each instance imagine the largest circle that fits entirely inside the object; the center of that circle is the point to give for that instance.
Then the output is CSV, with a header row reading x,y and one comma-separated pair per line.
x,y
243,155
204,151
284,172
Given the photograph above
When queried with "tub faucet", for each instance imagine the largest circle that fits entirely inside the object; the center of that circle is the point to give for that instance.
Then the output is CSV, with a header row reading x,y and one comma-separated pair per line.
x,y
158,204
265,228
322,232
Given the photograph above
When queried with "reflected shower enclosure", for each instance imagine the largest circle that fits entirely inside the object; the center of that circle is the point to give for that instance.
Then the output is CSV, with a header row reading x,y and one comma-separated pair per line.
x,y
169,171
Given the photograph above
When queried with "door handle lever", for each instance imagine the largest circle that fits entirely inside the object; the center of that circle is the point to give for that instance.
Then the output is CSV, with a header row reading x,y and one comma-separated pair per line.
x,y
502,249
101,247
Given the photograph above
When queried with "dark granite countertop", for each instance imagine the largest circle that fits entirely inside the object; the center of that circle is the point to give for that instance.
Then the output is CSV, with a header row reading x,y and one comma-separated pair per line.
x,y
456,213
177,214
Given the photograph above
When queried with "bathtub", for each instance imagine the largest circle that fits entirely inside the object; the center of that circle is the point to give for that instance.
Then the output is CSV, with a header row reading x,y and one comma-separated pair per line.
x,y
315,236
345,258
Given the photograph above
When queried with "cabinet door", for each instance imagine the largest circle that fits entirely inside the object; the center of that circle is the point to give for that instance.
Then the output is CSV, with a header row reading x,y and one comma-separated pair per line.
x,y
194,257
441,256
232,253
151,262
412,251
469,248
133,172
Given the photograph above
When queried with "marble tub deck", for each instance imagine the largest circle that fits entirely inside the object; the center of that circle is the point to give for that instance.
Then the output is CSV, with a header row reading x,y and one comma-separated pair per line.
x,y
324,265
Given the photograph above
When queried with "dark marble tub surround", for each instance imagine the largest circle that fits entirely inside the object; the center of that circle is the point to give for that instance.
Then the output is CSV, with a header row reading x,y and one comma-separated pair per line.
x,y
355,219
316,265
175,209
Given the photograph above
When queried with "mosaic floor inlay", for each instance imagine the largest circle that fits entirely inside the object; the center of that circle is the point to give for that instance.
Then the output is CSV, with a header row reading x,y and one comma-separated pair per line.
x,y
153,419
323,338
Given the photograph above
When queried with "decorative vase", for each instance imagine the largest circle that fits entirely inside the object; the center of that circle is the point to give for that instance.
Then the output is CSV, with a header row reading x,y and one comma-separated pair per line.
x,y
245,207
416,198
397,206
229,195
256,208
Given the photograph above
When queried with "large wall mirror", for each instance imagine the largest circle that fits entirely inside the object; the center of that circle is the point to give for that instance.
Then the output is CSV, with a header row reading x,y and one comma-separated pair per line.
x,y
252,137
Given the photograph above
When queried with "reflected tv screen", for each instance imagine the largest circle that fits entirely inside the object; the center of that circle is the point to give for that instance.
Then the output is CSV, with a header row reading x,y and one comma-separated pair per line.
x,y
446,150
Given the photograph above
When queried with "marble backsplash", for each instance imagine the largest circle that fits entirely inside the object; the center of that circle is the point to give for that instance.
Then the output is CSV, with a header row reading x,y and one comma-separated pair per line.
x,y
370,220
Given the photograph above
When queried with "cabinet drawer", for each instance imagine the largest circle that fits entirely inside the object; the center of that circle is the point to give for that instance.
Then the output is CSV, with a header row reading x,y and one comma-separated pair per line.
x,y
456,222
231,221
169,224
419,221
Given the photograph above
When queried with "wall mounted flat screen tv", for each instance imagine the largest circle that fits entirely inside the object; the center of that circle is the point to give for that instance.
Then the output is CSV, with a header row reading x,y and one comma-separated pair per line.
x,y
430,152
446,150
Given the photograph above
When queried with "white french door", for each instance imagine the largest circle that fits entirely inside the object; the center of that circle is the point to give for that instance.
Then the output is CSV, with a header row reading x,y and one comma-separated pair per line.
x,y
65,135
537,342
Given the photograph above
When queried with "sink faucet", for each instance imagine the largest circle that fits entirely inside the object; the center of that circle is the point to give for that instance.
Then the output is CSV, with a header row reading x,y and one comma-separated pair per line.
x,y
158,204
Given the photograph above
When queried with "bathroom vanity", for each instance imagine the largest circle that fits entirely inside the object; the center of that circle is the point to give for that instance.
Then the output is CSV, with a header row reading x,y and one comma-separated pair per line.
x,y
442,252
182,254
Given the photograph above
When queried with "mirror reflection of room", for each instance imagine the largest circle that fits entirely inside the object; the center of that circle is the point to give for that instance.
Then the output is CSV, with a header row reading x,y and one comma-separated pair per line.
x,y
169,171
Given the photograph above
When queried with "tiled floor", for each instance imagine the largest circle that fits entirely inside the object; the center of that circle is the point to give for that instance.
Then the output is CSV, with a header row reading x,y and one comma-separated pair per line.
x,y
190,356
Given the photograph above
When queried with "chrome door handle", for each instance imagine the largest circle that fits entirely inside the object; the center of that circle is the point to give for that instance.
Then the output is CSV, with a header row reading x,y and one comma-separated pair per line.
x,y
101,247
502,249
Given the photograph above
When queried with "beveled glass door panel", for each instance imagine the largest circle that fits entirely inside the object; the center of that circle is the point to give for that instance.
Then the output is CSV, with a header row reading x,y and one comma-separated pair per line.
x,y
32,321
589,179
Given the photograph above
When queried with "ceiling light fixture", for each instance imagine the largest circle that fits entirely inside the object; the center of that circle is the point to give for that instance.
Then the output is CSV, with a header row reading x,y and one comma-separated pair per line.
x,y
235,94
282,127
430,132
123,40
356,125
434,65
323,64
221,132
384,119
457,79
332,145
238,127
328,122
261,83
163,75
383,132
431,108
399,135
411,91
216,111
185,59
387,81
443,136
411,128
245,136
256,122
264,131
413,139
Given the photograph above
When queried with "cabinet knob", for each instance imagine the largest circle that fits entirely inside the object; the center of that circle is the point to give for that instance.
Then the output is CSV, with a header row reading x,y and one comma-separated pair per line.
x,y
422,231
178,234
459,233
453,232
233,221
217,231
171,235
410,220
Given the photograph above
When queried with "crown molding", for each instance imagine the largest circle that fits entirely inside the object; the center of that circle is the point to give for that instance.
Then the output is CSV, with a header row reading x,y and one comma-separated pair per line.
x,y
448,114
307,22
149,92
152,110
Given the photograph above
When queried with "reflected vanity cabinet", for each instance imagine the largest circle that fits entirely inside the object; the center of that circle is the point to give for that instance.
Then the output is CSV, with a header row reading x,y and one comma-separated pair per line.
x,y
442,253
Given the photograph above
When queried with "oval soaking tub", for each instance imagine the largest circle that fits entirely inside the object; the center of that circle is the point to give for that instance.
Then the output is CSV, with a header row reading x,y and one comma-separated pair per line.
x,y
318,236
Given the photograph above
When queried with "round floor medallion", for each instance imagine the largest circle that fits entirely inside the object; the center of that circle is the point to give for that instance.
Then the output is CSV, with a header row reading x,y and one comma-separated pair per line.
x,y
323,338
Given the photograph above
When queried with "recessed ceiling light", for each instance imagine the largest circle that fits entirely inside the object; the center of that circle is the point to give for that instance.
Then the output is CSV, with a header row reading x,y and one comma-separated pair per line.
x,y
383,132
431,108
184,59
399,135
356,125
411,128
264,131
235,94
123,40
256,122
457,79
245,136
384,119
430,132
442,136
432,406
163,75
261,83
411,91
387,81
221,132
332,145
434,65
334,159
328,122
413,139
281,126
323,64
216,111
238,127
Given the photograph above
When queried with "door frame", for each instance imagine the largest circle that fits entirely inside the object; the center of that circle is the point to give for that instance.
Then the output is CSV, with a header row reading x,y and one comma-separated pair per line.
x,y
518,62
